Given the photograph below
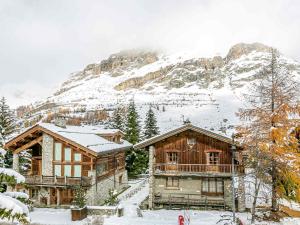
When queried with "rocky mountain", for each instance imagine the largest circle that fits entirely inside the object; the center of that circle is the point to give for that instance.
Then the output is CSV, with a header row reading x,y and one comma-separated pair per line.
x,y
207,91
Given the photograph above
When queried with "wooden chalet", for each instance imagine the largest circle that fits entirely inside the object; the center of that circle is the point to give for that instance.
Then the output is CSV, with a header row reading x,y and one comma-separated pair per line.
x,y
191,166
64,157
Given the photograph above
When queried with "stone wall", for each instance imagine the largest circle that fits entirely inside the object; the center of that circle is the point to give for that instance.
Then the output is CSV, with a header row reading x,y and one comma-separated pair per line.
x,y
97,194
47,155
151,176
228,193
102,210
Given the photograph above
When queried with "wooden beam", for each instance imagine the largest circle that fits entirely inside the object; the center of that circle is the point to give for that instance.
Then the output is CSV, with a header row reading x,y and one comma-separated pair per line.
x,y
28,145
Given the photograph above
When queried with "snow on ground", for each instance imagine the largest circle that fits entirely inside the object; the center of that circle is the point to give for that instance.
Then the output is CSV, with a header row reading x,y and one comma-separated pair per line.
x,y
139,191
47,216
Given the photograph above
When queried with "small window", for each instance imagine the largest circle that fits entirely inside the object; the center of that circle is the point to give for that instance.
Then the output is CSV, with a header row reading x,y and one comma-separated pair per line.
x,y
172,182
213,158
68,170
102,168
57,170
172,157
67,154
58,148
77,157
77,171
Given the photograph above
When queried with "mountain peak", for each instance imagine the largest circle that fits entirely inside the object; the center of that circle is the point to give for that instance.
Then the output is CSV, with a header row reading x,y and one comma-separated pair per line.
x,y
240,49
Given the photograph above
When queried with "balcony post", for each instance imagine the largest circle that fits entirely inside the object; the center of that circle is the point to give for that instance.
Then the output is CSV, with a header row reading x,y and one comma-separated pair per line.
x,y
151,175
16,162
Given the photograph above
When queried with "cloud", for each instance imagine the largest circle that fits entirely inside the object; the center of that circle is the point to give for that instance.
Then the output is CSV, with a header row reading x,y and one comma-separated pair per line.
x,y
41,43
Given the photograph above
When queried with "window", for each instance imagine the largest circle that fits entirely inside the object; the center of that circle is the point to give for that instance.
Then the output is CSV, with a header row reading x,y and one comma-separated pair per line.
x,y
213,158
77,157
212,186
57,170
77,171
120,179
67,154
172,182
102,168
68,170
172,157
58,148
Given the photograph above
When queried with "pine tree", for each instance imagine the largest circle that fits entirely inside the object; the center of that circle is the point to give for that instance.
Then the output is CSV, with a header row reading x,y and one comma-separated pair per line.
x,y
132,131
79,197
150,129
117,119
7,124
267,123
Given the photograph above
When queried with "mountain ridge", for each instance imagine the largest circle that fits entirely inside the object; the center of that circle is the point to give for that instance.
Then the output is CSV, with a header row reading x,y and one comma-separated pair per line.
x,y
205,90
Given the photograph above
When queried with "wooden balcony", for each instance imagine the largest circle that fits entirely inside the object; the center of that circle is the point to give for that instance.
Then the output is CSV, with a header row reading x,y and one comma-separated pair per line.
x,y
197,169
56,181
178,200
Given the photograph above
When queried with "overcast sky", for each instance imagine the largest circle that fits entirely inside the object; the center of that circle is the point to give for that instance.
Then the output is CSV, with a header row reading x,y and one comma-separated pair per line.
x,y
42,42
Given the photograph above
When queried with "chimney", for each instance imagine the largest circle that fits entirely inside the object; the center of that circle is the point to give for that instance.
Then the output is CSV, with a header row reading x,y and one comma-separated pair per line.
x,y
60,121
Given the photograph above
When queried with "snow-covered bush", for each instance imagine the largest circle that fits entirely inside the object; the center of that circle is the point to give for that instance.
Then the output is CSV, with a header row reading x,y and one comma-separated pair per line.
x,y
11,208
113,198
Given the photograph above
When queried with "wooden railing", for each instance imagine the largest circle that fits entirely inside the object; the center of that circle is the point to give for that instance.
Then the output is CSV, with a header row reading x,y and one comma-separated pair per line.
x,y
190,199
57,180
196,168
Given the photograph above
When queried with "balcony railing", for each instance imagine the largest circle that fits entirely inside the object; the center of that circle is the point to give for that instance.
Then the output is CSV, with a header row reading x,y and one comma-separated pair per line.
x,y
190,199
57,180
161,168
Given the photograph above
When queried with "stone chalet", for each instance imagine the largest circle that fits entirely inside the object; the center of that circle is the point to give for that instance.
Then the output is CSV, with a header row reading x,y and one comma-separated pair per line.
x,y
192,167
64,157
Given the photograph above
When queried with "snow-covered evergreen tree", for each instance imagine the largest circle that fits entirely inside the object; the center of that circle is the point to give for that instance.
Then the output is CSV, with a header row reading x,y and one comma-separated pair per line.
x,y
117,119
132,131
150,128
7,127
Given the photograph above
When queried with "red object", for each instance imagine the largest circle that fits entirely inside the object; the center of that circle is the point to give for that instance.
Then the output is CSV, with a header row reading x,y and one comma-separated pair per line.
x,y
180,220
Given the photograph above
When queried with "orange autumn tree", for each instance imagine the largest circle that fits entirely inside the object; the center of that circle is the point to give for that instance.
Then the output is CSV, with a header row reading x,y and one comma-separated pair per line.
x,y
269,119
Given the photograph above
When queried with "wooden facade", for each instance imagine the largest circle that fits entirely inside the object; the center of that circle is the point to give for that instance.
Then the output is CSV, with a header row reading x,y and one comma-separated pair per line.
x,y
72,165
191,166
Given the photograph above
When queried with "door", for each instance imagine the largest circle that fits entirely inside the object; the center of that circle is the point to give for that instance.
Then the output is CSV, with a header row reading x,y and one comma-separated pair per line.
x,y
53,196
172,161
36,166
213,159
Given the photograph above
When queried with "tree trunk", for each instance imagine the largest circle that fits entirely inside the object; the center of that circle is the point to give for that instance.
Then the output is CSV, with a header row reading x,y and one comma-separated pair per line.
x,y
274,192
253,211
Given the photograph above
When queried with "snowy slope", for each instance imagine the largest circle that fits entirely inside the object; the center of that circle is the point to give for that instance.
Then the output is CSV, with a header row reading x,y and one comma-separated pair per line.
x,y
206,90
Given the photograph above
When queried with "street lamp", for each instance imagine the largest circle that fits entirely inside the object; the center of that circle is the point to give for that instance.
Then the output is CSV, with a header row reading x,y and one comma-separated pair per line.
x,y
233,150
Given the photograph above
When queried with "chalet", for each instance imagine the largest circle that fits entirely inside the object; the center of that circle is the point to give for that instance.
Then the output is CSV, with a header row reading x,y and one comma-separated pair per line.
x,y
192,167
64,157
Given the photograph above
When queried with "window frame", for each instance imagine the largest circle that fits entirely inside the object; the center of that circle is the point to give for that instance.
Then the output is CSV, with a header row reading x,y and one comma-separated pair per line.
x,y
172,182
215,186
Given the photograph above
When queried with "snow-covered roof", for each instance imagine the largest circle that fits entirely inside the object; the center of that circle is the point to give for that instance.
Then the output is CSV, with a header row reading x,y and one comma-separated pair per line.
x,y
88,136
180,129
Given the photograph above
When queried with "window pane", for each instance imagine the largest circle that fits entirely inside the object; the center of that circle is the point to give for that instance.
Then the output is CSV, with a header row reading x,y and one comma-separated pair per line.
x,y
77,157
77,171
68,170
175,182
102,168
67,154
212,185
57,170
220,186
204,185
58,151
